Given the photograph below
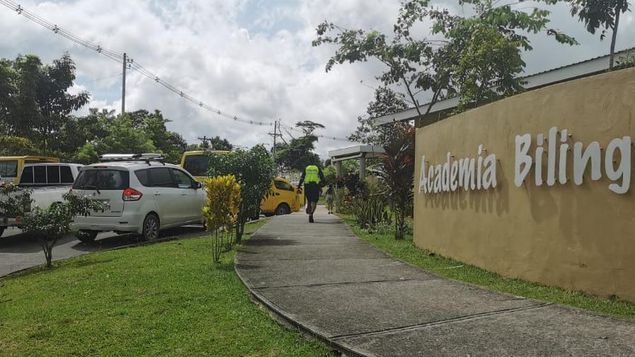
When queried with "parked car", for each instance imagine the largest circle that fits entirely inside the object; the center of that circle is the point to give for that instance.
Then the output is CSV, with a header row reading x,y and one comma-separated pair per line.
x,y
11,166
283,197
48,183
142,195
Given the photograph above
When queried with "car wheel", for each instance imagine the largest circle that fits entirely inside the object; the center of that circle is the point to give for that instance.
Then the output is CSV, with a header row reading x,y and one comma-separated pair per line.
x,y
150,227
282,208
86,236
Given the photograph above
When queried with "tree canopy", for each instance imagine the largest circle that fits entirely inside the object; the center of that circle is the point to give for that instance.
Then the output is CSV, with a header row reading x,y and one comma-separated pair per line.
x,y
386,101
604,14
476,57
299,152
34,98
36,117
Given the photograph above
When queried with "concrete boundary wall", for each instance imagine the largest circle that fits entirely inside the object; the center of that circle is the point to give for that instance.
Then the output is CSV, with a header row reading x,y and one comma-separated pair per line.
x,y
559,208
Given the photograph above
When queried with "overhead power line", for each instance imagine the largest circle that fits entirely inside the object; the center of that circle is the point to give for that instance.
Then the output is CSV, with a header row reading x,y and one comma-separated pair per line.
x,y
117,56
321,136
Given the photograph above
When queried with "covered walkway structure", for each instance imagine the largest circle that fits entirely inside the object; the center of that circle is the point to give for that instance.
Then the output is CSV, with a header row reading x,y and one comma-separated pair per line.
x,y
358,152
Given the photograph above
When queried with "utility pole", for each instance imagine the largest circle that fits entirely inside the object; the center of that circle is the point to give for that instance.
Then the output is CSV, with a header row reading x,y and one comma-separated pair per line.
x,y
123,84
205,140
275,134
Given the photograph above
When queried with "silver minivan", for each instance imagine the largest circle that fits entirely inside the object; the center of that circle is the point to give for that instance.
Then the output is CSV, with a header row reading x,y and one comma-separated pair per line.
x,y
141,194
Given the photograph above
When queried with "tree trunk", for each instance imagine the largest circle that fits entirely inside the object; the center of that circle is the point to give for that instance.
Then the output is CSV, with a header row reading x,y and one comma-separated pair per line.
x,y
47,248
614,37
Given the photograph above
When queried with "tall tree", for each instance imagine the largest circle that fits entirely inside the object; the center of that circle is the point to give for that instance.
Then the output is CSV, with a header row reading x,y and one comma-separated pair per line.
x,y
299,152
478,56
169,143
386,101
123,137
34,98
603,14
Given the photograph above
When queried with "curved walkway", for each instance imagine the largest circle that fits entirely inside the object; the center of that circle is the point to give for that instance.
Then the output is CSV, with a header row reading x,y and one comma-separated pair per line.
x,y
325,281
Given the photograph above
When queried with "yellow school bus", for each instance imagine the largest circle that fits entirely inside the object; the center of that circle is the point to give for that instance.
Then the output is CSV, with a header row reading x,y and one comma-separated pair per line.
x,y
283,198
11,166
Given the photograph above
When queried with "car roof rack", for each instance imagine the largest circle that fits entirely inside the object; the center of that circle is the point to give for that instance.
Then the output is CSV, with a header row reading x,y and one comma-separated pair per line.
x,y
147,157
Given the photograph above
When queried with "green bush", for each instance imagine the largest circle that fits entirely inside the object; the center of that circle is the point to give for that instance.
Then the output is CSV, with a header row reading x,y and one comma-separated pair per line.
x,y
371,212
50,224
254,170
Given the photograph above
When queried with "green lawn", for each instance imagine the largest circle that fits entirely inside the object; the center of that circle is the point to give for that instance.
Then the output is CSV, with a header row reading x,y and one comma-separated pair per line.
x,y
161,299
408,252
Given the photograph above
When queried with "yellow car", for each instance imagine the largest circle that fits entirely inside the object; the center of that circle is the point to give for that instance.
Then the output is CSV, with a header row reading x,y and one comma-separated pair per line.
x,y
11,166
283,198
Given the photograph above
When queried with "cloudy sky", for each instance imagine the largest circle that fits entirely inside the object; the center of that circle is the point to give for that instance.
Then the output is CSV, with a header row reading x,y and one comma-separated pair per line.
x,y
250,58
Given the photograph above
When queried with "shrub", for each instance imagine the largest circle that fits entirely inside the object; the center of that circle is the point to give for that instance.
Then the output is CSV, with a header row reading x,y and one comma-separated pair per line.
x,y
50,224
371,212
396,174
221,210
254,170
14,200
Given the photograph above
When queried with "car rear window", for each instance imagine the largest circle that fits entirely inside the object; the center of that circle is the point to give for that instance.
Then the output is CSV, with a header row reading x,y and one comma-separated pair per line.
x,y
66,175
40,174
197,165
281,185
53,175
102,179
27,175
46,175
9,168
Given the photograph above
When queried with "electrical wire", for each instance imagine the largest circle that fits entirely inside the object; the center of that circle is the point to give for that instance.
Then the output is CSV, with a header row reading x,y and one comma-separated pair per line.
x,y
321,136
117,56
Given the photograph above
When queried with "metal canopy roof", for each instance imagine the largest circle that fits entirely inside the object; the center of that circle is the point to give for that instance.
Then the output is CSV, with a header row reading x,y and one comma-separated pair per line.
x,y
561,74
354,152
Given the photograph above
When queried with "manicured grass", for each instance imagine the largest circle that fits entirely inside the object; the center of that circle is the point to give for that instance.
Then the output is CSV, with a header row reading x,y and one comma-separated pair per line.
x,y
408,252
162,299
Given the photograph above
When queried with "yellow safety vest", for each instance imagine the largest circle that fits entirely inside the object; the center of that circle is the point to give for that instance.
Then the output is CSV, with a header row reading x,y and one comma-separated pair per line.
x,y
312,174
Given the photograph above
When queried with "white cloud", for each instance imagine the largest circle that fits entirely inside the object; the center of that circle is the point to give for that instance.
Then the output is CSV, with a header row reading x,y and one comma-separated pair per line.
x,y
252,58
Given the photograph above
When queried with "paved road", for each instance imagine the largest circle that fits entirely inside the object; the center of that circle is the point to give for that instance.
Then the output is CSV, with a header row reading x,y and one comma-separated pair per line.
x,y
324,280
19,251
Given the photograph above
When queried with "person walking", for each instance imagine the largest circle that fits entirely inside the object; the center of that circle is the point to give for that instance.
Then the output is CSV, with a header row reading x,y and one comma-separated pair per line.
x,y
330,198
313,179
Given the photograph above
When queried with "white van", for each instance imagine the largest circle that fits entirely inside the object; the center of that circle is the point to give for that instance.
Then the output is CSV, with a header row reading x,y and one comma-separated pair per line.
x,y
142,194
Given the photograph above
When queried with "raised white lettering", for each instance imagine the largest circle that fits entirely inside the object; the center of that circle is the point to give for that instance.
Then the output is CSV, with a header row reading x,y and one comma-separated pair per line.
x,y
623,171
523,162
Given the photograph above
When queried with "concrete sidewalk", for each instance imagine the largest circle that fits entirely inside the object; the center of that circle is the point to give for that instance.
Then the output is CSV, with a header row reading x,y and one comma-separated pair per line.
x,y
324,280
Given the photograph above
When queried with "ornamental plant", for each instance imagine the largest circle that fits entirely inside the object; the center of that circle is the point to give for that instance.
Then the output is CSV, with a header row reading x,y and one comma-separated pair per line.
x,y
50,224
254,170
14,200
221,210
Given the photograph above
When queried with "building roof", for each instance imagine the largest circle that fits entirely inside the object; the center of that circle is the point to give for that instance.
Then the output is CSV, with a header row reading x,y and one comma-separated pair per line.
x,y
353,152
541,79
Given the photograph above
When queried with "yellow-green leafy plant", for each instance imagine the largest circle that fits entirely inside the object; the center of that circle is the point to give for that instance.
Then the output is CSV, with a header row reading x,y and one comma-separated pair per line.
x,y
221,210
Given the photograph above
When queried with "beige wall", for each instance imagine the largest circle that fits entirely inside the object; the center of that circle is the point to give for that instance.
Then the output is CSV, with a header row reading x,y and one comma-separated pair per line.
x,y
576,237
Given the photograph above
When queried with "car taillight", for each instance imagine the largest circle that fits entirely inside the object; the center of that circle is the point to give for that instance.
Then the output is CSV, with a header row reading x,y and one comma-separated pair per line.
x,y
130,194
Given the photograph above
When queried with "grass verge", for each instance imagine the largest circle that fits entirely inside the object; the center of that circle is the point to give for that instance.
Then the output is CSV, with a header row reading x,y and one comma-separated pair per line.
x,y
161,299
408,252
